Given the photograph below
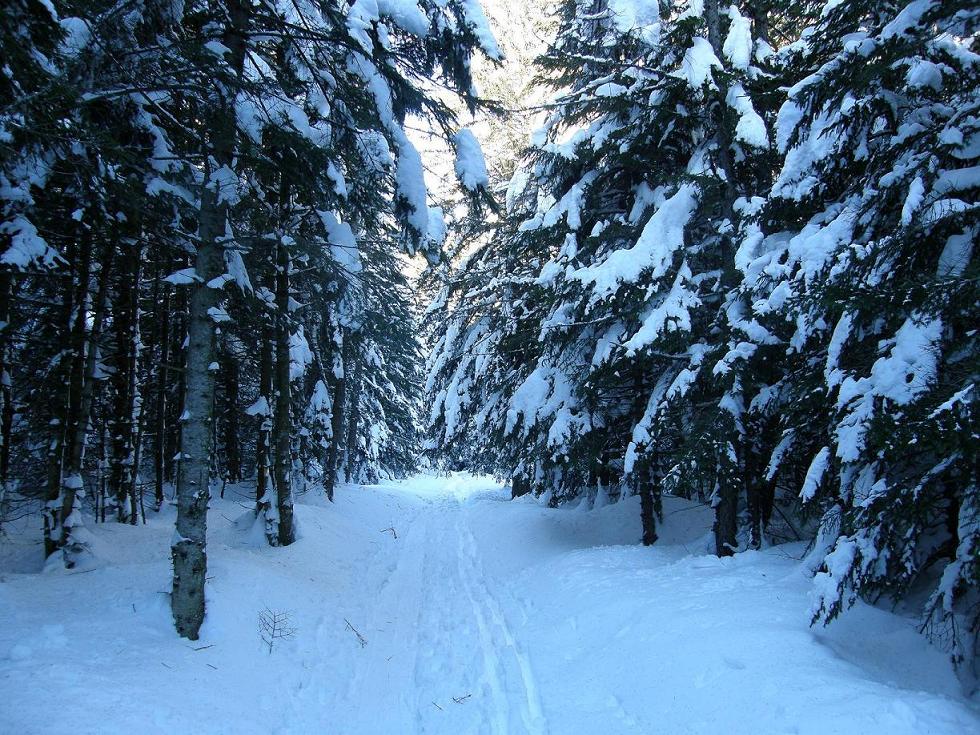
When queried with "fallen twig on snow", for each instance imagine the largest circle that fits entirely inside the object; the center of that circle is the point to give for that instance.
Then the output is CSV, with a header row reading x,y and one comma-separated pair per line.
x,y
460,700
360,639
394,533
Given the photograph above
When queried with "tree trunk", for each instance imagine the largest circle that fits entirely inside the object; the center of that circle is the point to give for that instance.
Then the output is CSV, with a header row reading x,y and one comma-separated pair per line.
x,y
82,391
193,481
232,442
337,418
174,406
760,492
283,424
6,412
263,446
651,480
520,484
353,412
725,501
58,387
122,428
160,408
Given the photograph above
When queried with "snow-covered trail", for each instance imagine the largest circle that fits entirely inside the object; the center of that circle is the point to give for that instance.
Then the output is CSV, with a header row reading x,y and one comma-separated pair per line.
x,y
438,606
441,655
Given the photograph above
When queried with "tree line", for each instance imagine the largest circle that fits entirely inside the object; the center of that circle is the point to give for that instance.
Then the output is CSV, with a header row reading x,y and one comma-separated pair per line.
x,y
737,265
205,208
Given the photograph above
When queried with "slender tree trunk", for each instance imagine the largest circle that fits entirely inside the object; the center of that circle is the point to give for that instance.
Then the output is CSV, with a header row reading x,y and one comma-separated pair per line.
x,y
232,442
353,412
283,424
160,410
6,410
103,470
759,491
520,484
338,385
82,390
59,405
178,356
193,481
263,453
651,479
123,428
725,501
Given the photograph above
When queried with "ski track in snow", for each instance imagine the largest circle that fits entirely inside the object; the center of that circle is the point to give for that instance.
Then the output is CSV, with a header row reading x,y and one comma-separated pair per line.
x,y
497,639
438,633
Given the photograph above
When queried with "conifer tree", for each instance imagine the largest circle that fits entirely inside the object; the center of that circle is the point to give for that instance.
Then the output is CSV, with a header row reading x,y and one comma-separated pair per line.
x,y
870,256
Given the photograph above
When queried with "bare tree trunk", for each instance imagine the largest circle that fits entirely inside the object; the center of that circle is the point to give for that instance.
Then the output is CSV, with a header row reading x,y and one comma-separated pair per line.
x,y
263,453
283,424
160,412
651,478
233,457
82,390
520,484
59,403
353,410
193,480
725,501
6,410
338,385
123,427
178,356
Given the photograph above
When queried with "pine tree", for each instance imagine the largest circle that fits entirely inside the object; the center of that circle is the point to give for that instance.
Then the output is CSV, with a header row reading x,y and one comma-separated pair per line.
x,y
868,252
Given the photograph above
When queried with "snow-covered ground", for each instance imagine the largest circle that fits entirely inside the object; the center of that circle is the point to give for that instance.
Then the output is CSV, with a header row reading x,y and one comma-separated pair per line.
x,y
477,615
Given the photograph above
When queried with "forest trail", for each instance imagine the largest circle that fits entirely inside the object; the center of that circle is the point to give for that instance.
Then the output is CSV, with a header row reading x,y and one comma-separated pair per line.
x,y
437,606
441,656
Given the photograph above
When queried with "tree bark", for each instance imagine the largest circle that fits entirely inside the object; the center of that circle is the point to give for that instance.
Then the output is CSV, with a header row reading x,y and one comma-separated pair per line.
x,y
283,424
337,418
82,391
123,428
6,383
353,412
725,501
174,406
59,401
263,447
193,481
651,480
232,442
160,408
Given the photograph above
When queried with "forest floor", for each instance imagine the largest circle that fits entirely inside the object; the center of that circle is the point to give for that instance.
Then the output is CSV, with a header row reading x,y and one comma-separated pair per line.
x,y
437,606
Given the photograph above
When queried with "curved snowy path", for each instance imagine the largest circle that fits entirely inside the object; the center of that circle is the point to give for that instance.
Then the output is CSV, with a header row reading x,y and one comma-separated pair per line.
x,y
438,606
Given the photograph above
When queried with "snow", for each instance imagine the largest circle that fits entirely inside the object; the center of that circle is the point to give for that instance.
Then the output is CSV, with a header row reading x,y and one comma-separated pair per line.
x,y
27,247
815,473
641,16
477,615
738,43
906,371
956,254
471,168
364,14
698,61
477,21
410,181
673,313
300,354
661,237
750,127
